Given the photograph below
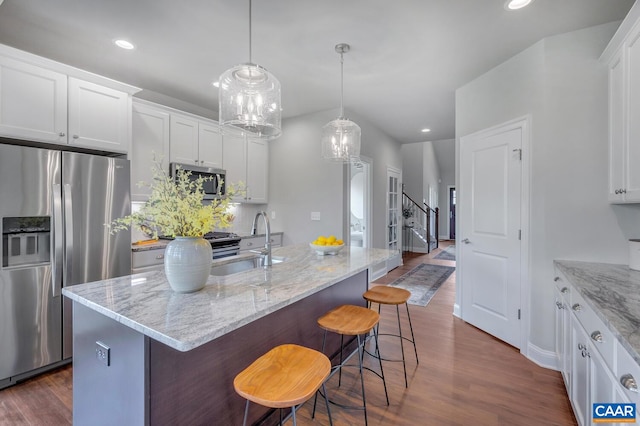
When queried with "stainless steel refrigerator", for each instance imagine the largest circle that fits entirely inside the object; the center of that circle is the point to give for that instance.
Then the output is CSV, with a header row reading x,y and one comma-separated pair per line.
x,y
53,207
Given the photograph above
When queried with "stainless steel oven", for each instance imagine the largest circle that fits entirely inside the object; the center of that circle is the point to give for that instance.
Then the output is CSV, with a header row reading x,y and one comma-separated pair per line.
x,y
223,244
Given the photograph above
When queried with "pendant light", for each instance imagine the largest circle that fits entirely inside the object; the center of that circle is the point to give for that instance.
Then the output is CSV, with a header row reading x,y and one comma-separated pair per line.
x,y
341,137
249,99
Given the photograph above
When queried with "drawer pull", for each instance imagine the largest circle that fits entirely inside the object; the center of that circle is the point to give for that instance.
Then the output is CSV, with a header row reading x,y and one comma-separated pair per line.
x,y
556,279
160,256
597,336
564,290
629,382
249,244
577,307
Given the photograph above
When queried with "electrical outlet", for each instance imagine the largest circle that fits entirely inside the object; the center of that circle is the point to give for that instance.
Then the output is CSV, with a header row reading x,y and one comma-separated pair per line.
x,y
315,215
273,214
103,353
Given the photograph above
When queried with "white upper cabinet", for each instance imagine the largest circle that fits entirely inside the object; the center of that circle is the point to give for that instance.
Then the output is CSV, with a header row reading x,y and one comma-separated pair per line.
x,y
45,101
622,56
247,161
184,139
99,117
33,102
195,141
257,171
209,145
150,140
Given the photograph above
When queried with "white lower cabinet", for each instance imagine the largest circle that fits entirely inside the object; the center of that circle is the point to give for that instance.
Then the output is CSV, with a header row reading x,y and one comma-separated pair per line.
x,y
595,366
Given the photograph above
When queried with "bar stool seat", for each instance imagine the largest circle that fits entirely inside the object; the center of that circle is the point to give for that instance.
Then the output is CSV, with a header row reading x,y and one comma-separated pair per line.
x,y
387,295
351,320
286,376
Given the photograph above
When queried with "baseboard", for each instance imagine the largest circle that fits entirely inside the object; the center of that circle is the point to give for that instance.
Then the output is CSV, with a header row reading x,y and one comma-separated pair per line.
x,y
542,357
456,310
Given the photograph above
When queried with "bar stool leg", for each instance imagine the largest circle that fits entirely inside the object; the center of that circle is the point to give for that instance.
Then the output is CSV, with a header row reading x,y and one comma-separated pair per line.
x,y
341,350
326,401
384,382
246,413
404,363
415,349
360,360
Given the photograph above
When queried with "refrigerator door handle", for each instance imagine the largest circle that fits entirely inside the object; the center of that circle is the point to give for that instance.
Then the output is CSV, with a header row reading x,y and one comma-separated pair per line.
x,y
56,241
68,232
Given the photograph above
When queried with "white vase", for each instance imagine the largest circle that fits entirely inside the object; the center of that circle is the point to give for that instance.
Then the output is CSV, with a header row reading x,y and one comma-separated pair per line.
x,y
187,263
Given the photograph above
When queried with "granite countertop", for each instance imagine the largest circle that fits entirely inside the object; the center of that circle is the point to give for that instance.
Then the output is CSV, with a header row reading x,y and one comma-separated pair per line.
x,y
613,292
146,303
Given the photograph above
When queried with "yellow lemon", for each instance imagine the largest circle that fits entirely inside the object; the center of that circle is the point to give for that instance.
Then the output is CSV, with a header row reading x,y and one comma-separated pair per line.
x,y
321,238
339,242
332,238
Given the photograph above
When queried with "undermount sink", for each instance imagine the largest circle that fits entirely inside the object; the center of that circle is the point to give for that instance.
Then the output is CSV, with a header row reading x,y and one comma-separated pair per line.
x,y
241,265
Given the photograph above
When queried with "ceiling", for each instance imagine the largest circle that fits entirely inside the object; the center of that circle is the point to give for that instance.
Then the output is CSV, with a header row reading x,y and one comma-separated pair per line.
x,y
407,56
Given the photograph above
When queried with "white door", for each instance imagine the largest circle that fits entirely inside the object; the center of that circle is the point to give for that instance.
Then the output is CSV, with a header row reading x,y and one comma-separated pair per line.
x,y
490,221
394,180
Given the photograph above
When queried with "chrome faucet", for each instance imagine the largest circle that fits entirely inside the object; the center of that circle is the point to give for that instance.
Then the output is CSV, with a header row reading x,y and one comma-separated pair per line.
x,y
266,252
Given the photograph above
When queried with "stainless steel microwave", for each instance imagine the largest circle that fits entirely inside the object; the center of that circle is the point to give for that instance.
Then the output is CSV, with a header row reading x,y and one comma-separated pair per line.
x,y
214,186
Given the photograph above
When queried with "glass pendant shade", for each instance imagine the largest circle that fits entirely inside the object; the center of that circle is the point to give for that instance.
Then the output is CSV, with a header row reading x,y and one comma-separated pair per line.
x,y
249,99
341,137
341,140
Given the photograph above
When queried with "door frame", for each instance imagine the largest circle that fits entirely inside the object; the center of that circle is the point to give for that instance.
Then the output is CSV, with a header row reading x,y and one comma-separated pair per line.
x,y
449,189
523,123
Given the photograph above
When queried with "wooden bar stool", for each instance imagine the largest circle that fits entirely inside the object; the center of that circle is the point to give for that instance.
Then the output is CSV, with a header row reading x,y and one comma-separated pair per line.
x,y
286,376
386,295
350,320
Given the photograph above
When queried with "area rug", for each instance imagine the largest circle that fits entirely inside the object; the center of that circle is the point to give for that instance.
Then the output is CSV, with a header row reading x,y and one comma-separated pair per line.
x,y
423,281
448,253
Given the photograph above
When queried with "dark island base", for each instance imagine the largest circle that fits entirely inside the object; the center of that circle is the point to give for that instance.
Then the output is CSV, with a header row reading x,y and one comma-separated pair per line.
x,y
196,387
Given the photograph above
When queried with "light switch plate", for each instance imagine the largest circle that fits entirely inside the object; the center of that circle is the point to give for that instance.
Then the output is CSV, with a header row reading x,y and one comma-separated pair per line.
x,y
315,215
103,353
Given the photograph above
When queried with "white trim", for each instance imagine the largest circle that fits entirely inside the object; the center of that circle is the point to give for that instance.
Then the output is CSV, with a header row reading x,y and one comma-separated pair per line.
x,y
542,357
456,308
525,124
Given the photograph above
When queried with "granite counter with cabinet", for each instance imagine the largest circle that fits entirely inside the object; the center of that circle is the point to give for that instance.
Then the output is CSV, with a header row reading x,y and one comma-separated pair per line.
x,y
144,354
598,334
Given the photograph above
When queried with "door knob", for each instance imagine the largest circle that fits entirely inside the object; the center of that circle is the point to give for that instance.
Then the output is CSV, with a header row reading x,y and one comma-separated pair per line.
x,y
466,241
629,382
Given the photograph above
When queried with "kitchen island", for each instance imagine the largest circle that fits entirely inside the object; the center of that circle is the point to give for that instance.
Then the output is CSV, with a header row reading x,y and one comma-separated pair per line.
x,y
146,355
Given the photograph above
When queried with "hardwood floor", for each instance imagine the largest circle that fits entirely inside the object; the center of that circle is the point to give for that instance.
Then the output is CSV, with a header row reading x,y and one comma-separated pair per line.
x,y
464,377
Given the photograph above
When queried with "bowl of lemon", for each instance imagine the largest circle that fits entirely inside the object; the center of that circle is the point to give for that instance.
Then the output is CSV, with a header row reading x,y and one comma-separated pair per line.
x,y
327,245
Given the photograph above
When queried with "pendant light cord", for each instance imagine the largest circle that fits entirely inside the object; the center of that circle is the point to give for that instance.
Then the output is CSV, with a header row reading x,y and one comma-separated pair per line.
x,y
341,85
250,2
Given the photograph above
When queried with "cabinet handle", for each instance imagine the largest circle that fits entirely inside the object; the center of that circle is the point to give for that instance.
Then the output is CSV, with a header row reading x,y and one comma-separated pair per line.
x,y
623,191
629,382
564,290
617,191
559,305
577,307
556,279
249,244
61,134
76,136
160,256
597,336
581,347
585,354
201,161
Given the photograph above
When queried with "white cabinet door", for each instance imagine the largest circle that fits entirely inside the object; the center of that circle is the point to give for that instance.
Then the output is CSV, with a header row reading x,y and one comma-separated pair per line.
x,y
632,154
616,130
99,117
234,160
257,171
209,145
150,140
33,102
184,140
563,337
580,373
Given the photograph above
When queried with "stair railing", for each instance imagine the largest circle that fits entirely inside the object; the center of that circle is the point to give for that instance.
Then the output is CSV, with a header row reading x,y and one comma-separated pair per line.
x,y
421,223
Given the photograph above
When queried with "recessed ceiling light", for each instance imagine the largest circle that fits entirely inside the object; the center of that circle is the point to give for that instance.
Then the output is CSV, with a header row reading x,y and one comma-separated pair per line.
x,y
517,4
425,130
124,44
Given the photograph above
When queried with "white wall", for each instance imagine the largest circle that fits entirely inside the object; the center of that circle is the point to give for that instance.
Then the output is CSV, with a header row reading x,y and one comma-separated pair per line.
x,y
413,169
560,82
300,181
